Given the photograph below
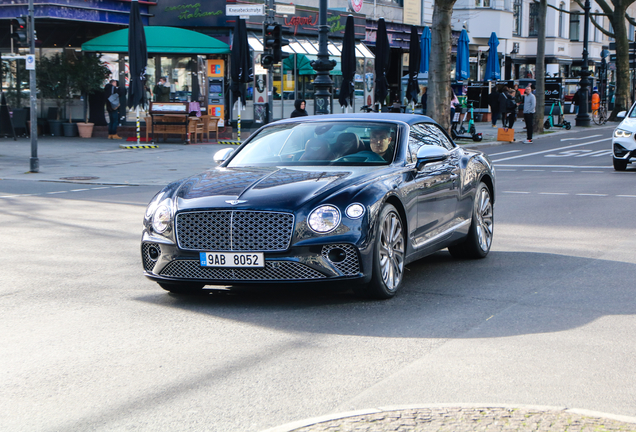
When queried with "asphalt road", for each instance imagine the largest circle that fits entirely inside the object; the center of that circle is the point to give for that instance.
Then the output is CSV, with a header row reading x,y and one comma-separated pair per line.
x,y
87,343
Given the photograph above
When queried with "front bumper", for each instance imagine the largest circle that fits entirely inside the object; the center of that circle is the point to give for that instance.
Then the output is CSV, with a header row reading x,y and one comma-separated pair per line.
x,y
330,261
624,148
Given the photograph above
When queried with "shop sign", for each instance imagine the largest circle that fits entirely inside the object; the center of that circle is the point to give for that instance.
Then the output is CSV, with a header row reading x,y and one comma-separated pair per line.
x,y
356,5
188,13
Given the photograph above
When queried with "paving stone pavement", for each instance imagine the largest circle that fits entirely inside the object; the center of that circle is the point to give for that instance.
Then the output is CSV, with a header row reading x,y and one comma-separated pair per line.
x,y
465,419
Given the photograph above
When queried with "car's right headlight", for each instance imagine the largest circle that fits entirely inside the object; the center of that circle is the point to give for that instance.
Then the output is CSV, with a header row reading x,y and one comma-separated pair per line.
x,y
161,218
324,219
622,133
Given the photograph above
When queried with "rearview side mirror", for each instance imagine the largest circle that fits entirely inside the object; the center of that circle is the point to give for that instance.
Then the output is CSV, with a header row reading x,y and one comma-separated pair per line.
x,y
431,153
223,155
621,114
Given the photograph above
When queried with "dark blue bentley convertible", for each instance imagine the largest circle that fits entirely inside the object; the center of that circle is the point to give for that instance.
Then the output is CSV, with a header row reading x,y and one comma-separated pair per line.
x,y
327,198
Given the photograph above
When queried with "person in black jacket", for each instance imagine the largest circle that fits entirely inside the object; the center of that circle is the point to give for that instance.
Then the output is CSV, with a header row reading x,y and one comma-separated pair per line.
x,y
300,111
511,108
113,111
493,101
503,104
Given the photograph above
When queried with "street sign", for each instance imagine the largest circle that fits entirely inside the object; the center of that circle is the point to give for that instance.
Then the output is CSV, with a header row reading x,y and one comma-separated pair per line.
x,y
612,58
30,62
245,10
285,9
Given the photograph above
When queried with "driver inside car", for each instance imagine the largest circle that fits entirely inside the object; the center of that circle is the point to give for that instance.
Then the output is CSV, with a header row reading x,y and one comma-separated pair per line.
x,y
380,142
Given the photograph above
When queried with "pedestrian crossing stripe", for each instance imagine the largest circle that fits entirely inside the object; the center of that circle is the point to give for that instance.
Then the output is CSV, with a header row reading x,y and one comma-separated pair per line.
x,y
231,142
138,146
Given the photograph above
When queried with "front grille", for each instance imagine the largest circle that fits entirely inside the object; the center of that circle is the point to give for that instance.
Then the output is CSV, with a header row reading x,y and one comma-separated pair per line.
x,y
234,230
273,271
350,265
149,263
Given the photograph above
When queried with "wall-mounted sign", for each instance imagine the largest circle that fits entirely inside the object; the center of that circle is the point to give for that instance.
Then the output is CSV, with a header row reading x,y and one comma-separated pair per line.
x,y
178,13
245,10
216,68
355,5
285,9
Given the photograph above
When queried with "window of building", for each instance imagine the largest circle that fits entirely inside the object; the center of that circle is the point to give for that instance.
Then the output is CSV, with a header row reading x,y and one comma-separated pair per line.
x,y
516,23
597,32
533,27
630,33
562,20
482,3
574,27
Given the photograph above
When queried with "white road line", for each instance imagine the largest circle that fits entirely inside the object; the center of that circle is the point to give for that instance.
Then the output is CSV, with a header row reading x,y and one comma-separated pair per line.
x,y
553,193
78,190
576,139
565,171
122,186
586,194
554,166
551,150
99,188
626,196
534,170
515,192
506,152
58,192
593,171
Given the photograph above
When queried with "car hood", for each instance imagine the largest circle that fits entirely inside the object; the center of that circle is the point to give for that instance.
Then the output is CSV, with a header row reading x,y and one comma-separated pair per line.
x,y
629,124
271,188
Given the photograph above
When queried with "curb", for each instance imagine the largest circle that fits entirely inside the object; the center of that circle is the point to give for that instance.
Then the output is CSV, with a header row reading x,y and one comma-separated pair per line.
x,y
290,427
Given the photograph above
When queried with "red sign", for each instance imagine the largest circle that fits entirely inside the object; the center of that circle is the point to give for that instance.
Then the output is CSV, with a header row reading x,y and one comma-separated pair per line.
x,y
301,21
356,5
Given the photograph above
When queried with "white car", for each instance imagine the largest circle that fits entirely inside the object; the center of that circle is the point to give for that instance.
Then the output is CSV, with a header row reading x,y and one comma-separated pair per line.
x,y
624,140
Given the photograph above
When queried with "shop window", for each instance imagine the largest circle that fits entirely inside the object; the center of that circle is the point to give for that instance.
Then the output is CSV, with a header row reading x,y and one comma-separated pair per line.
x,y
574,27
533,29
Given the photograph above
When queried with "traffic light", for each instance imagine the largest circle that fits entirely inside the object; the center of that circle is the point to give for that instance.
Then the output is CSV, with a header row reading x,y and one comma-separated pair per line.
x,y
267,58
279,43
19,34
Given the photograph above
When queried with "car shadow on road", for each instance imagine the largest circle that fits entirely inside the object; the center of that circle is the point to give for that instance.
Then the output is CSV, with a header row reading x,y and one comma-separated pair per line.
x,y
506,294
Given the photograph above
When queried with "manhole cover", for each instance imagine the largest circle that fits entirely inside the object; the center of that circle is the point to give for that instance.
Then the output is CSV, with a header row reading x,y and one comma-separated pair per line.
x,y
79,178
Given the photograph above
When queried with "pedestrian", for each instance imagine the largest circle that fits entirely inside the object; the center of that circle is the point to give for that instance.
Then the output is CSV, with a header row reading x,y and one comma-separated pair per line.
x,y
300,111
162,91
596,99
454,104
503,105
122,102
493,101
577,100
111,96
424,99
511,108
529,108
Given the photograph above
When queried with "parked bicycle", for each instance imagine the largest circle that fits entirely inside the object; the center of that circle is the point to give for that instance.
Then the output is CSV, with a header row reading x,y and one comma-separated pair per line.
x,y
599,116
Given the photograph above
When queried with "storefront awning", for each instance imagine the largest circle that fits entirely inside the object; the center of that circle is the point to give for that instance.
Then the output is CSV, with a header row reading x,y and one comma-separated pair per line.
x,y
161,40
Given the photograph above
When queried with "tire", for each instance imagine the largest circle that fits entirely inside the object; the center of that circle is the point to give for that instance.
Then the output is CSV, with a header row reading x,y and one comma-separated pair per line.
x,y
388,257
619,164
453,134
480,234
182,288
568,126
472,130
546,125
477,138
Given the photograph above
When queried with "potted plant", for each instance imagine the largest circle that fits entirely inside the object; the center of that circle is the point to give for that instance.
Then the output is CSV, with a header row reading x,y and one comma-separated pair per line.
x,y
52,76
88,76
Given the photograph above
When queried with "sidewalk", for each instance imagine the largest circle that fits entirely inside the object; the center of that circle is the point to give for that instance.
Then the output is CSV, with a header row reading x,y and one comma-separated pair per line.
x,y
102,161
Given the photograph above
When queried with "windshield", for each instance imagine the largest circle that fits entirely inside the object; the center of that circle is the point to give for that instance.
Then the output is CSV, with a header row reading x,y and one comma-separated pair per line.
x,y
320,143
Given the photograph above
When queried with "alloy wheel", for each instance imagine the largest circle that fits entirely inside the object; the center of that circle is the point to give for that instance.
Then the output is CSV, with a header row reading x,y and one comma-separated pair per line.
x,y
391,251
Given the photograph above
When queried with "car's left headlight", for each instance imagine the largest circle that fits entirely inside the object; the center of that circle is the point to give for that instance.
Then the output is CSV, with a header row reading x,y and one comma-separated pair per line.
x,y
324,219
622,133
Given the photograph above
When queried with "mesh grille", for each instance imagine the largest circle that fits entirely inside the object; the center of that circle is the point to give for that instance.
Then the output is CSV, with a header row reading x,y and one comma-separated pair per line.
x,y
350,265
273,271
235,230
149,264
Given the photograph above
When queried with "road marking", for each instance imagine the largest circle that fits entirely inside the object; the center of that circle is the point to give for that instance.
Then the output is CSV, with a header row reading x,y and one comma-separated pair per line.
x,y
587,194
576,139
515,192
58,192
552,150
626,196
553,193
506,152
97,188
555,166
593,171
565,171
534,170
78,190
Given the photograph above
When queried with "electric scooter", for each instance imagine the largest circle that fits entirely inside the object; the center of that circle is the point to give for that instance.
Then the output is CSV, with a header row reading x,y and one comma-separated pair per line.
x,y
457,128
562,123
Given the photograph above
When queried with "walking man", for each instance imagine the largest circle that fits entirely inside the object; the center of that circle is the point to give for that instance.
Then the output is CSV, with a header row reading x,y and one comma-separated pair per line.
x,y
529,108
112,106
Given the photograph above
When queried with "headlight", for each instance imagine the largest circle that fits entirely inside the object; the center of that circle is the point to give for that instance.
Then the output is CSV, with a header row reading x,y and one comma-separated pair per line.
x,y
620,133
324,219
354,211
161,219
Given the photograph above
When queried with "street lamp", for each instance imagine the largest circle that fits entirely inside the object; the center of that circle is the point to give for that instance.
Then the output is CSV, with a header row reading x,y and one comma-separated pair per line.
x,y
323,83
583,117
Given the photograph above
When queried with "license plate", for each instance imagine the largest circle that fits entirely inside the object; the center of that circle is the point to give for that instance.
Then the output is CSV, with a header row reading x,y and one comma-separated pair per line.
x,y
232,259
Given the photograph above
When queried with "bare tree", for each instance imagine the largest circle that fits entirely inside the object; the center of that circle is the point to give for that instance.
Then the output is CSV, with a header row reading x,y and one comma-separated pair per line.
x,y
617,16
439,80
539,73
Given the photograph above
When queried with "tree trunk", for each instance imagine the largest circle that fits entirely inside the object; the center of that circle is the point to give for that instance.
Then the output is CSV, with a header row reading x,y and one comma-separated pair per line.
x,y
439,97
622,96
539,73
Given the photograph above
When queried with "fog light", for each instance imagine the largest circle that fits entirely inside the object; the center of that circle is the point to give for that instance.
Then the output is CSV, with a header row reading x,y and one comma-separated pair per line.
x,y
153,253
336,255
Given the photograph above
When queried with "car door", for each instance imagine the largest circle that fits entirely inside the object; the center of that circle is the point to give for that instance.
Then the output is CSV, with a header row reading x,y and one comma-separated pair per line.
x,y
436,186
